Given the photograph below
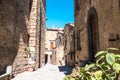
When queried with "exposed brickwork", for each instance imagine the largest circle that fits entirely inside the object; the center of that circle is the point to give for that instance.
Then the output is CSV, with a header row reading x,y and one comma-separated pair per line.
x,y
33,20
108,15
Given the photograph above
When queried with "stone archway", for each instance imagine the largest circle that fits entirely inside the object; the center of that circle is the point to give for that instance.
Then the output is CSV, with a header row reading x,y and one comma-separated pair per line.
x,y
93,33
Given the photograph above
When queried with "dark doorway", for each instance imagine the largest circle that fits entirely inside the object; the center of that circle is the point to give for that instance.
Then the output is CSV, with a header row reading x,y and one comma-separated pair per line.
x,y
46,58
93,34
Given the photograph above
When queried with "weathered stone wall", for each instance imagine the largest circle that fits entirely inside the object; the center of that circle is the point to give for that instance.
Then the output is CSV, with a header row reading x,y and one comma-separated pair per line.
x,y
69,42
42,32
36,29
21,60
108,13
21,24
13,30
34,32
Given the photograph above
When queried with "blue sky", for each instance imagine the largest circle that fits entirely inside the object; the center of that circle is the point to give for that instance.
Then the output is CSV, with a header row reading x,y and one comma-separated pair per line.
x,y
59,12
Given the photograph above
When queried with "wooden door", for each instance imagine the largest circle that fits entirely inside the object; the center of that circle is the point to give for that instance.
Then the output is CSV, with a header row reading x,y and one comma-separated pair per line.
x,y
51,45
93,34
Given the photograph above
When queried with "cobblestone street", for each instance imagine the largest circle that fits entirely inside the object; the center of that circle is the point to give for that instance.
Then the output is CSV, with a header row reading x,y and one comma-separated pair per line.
x,y
48,72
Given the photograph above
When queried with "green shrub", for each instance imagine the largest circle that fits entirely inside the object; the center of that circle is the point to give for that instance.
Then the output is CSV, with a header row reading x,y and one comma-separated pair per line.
x,y
107,67
27,50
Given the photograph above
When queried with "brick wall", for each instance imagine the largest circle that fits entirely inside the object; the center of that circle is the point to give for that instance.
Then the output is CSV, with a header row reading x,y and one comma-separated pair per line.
x,y
37,31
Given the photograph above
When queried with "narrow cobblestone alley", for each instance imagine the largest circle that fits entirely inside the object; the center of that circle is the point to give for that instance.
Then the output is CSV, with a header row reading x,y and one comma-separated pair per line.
x,y
44,39
48,72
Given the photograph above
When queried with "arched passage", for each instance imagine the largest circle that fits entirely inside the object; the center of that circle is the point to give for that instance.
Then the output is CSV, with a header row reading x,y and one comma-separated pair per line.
x,y
93,33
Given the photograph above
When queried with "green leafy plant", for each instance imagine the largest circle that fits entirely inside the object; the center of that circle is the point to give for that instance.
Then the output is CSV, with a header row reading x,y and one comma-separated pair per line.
x,y
27,50
107,67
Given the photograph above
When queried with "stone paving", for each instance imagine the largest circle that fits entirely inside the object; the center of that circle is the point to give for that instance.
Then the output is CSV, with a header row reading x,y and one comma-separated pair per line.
x,y
48,72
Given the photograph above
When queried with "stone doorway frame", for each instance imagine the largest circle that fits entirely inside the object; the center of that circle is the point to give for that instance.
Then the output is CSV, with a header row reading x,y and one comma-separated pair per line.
x,y
93,34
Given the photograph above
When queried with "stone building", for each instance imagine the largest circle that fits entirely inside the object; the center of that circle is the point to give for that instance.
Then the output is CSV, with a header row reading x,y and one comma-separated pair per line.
x,y
51,44
69,44
97,27
58,52
51,35
22,23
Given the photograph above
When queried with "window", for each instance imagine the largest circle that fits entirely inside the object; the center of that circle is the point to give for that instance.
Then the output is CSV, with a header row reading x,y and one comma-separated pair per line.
x,y
51,45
